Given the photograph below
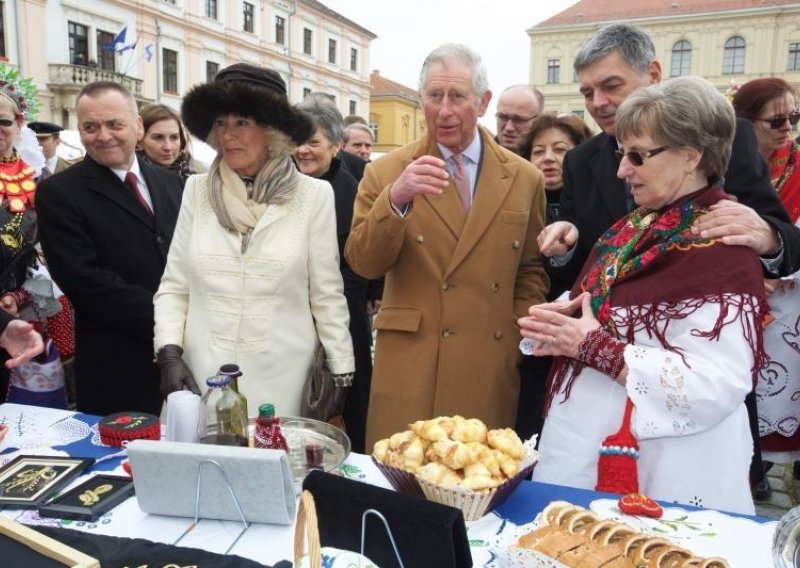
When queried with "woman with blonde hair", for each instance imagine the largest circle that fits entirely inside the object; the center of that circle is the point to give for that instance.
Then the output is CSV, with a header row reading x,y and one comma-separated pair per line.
x,y
252,276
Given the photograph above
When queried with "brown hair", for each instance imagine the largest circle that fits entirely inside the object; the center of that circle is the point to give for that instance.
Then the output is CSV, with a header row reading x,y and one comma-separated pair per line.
x,y
571,125
93,90
753,96
155,112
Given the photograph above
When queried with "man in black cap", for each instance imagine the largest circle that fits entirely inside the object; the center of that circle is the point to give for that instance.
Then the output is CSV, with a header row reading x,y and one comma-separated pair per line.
x,y
47,134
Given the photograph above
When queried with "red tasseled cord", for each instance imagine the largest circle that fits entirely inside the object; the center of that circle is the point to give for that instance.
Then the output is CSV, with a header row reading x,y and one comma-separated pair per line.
x,y
617,473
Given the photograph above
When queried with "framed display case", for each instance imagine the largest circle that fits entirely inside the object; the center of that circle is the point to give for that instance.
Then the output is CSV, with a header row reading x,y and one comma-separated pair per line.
x,y
28,481
89,500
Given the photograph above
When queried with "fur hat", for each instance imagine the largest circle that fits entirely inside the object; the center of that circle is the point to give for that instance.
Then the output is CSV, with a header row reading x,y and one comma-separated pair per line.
x,y
244,90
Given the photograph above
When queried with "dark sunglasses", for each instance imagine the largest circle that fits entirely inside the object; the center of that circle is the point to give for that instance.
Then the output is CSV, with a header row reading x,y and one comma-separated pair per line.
x,y
6,122
638,158
779,120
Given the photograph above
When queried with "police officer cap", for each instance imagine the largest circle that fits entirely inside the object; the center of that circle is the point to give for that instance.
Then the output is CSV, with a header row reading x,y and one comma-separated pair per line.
x,y
43,129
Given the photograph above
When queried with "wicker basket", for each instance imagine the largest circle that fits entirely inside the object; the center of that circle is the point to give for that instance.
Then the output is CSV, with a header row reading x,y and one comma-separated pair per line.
x,y
474,504
307,531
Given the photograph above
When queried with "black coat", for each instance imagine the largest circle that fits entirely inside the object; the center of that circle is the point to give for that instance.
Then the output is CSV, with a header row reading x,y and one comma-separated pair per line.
x,y
108,254
594,197
356,292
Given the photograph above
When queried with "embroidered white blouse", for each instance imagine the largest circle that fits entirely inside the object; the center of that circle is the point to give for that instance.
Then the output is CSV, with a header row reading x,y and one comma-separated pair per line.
x,y
689,416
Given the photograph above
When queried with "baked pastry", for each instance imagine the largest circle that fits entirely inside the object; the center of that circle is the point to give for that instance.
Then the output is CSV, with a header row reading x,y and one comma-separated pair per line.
x,y
507,441
576,538
439,474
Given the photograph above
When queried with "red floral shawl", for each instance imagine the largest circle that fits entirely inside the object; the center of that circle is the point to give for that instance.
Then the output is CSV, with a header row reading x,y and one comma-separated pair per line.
x,y
650,263
785,177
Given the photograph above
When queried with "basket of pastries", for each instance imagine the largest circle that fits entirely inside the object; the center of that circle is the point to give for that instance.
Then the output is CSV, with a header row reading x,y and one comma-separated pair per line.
x,y
456,461
574,536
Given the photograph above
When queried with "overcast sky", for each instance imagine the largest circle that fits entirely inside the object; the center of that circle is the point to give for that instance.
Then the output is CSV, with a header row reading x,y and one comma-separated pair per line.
x,y
495,29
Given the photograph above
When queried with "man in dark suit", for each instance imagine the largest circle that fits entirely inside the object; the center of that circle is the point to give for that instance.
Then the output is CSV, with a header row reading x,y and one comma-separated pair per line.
x,y
106,226
613,63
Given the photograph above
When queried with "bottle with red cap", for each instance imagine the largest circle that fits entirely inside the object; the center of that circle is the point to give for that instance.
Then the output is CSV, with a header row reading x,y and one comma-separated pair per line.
x,y
268,429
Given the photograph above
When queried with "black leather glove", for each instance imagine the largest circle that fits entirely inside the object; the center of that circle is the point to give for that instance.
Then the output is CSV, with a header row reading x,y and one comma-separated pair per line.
x,y
343,383
175,374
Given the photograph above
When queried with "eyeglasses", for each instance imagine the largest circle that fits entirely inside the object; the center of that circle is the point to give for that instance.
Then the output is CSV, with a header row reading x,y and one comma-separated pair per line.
x,y
638,158
514,118
779,120
8,122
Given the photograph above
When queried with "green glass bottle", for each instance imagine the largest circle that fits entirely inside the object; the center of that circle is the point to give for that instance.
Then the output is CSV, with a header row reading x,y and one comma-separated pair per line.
x,y
233,372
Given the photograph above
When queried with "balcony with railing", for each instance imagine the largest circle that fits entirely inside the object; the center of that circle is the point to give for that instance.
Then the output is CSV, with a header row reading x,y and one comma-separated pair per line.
x,y
66,77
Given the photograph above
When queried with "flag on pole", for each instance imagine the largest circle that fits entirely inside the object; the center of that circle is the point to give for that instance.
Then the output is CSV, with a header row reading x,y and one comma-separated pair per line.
x,y
148,52
119,39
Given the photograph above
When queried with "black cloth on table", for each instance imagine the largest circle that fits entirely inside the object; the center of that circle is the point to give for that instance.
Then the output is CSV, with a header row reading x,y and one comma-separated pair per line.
x,y
426,533
114,552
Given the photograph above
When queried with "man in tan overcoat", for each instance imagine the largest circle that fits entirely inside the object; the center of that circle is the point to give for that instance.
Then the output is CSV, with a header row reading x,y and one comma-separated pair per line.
x,y
457,244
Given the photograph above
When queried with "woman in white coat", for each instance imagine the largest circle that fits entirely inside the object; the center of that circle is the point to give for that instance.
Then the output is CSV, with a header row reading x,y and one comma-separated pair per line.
x,y
253,275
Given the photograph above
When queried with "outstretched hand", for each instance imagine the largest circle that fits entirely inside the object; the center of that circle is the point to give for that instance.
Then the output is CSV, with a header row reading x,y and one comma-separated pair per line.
x,y
557,238
21,341
556,327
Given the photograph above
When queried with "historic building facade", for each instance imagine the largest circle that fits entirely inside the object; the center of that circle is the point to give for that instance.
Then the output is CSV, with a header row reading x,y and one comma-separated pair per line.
x,y
728,42
395,114
174,44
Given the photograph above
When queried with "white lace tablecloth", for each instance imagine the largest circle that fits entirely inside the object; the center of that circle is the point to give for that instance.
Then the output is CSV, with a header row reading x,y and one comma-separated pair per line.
x,y
744,542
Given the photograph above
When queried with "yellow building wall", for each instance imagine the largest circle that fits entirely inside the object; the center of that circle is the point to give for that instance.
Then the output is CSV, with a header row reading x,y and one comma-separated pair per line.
x,y
397,121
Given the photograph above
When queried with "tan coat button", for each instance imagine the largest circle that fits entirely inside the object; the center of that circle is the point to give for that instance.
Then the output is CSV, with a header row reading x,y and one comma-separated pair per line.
x,y
420,238
515,245
498,335
495,287
447,333
445,286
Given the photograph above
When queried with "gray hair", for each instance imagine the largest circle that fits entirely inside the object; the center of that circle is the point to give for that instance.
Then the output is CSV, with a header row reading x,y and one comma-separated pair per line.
x,y
462,54
633,44
98,88
323,113
357,126
685,111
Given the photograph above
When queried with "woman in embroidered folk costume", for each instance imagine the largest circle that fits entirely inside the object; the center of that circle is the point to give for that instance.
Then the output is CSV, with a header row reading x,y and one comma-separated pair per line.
x,y
26,288
771,106
662,337
252,276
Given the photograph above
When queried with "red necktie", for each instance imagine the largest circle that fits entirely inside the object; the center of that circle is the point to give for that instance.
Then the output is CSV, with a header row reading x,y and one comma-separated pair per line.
x,y
132,182
461,180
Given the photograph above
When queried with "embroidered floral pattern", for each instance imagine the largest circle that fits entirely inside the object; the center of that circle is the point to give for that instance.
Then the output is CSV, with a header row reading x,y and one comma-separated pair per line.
x,y
673,383
641,388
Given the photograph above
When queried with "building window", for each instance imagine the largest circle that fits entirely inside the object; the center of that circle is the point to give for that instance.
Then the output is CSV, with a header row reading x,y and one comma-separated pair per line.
x,y
280,30
170,62
105,57
2,31
211,70
553,71
307,41
794,57
374,127
733,58
353,107
248,17
78,43
353,59
306,92
579,113
331,51
681,58
211,9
